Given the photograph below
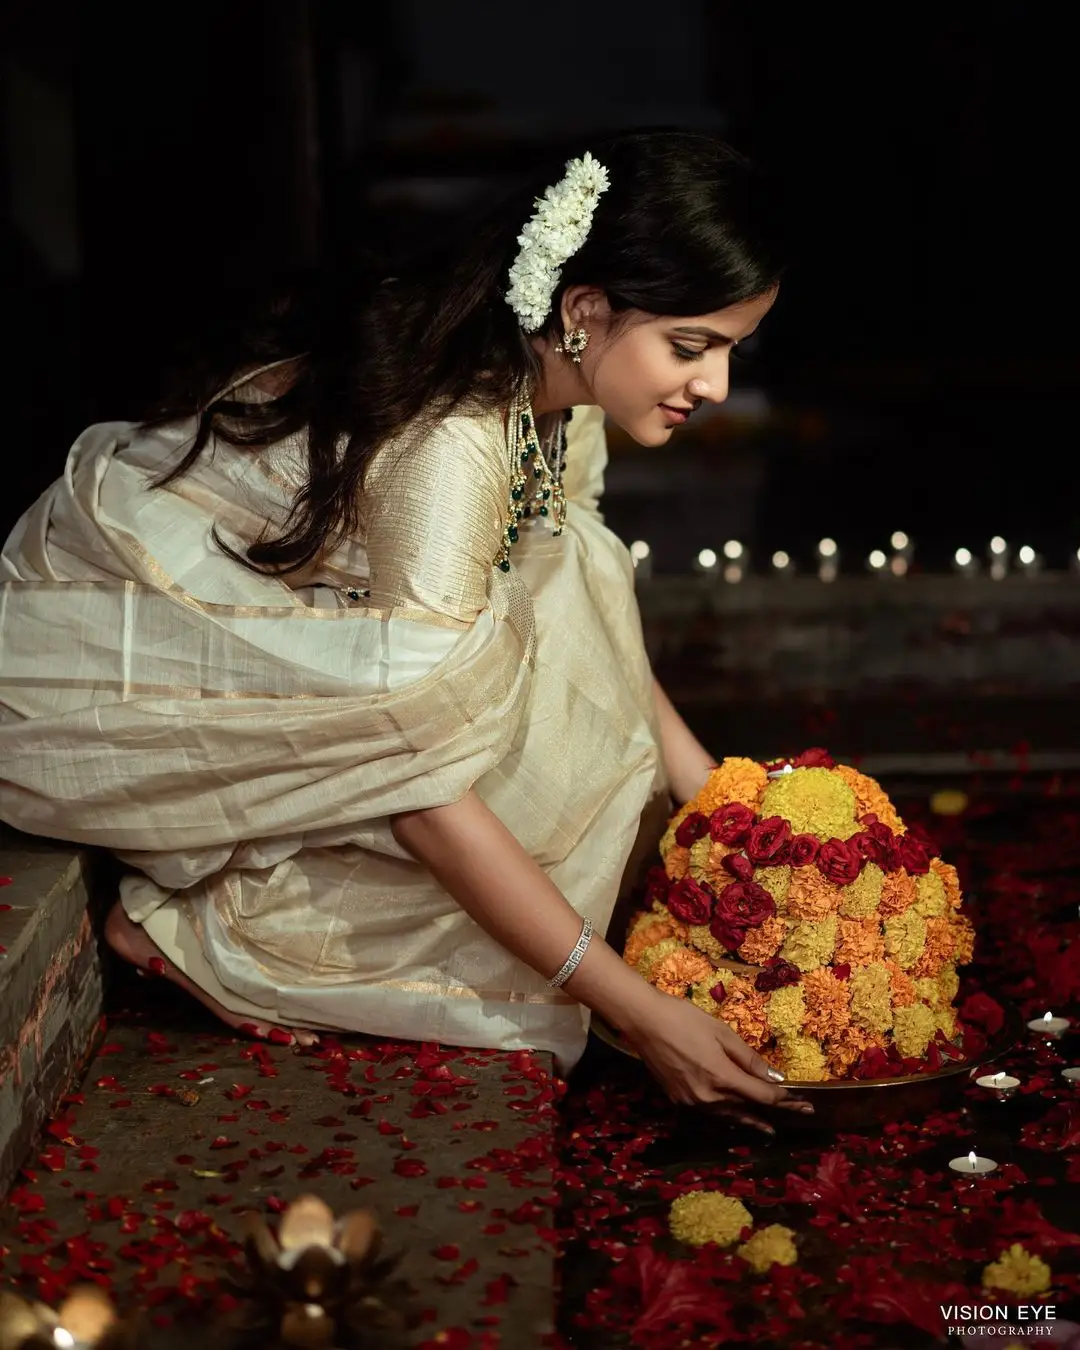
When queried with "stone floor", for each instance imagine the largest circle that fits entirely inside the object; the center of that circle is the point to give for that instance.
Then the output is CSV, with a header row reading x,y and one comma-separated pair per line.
x,y
176,1130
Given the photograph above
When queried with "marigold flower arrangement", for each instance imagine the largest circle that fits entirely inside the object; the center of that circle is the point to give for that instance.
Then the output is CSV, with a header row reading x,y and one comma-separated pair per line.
x,y
794,904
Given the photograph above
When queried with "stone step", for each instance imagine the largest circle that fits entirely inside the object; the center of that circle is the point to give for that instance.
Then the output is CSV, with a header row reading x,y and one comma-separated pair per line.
x,y
51,983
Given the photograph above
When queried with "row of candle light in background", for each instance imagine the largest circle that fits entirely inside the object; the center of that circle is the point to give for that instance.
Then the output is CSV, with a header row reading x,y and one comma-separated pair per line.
x,y
732,562
1004,1085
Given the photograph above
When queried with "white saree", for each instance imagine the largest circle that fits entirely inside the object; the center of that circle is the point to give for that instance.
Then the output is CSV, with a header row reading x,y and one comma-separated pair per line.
x,y
242,742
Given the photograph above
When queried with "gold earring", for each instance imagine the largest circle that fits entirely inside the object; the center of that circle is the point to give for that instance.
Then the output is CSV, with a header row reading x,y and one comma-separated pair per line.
x,y
573,344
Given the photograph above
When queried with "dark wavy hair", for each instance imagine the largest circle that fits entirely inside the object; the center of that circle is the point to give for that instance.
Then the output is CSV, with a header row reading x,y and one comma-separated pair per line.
x,y
687,226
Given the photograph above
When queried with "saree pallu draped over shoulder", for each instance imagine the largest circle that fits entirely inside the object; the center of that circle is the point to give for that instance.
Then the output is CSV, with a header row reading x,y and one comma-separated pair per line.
x,y
242,743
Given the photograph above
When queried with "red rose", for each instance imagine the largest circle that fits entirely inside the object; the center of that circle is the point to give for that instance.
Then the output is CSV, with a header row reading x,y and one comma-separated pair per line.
x,y
776,975
768,843
691,829
815,758
842,972
839,862
871,848
718,992
744,904
980,1010
657,885
729,935
690,902
893,857
803,850
739,866
872,825
913,856
731,824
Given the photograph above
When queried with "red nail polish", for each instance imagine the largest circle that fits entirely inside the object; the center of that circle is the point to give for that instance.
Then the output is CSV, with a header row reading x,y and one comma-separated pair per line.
x,y
280,1036
157,965
250,1029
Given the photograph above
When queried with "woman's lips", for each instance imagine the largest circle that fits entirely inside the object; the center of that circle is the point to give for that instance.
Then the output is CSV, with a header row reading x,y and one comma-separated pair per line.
x,y
677,415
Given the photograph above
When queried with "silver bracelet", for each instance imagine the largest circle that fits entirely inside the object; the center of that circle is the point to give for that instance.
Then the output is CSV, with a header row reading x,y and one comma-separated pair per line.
x,y
574,959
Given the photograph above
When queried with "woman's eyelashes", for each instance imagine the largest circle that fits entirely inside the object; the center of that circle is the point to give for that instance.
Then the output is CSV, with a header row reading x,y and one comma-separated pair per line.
x,y
687,353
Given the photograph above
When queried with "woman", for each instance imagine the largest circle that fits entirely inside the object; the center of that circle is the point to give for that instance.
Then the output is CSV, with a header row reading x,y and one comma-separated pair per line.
x,y
338,656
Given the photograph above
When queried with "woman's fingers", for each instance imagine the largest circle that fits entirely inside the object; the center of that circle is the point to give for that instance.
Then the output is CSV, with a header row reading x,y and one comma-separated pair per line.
x,y
748,1059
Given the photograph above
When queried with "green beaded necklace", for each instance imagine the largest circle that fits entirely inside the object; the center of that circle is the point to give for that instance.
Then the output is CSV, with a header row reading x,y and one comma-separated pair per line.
x,y
545,496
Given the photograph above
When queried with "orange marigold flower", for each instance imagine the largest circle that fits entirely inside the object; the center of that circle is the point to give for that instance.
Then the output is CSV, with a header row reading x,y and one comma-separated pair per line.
x,y
870,797
810,896
648,935
949,879
845,1049
762,942
677,862
898,893
902,986
964,936
828,1004
735,780
938,950
859,942
744,1010
675,972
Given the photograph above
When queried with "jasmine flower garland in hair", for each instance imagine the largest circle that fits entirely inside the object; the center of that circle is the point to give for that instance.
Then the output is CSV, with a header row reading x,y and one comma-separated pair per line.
x,y
555,232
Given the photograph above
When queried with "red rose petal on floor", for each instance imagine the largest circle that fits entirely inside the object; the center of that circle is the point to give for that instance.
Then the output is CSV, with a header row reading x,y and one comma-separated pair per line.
x,y
410,1167
6,881
449,1251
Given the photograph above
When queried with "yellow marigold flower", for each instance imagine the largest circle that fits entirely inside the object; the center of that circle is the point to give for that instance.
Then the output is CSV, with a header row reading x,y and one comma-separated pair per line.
x,y
762,942
813,801
945,1017
809,945
771,1246
870,797
931,992
905,938
848,1046
871,998
708,1216
698,936
810,896
701,994
698,861
1017,1271
859,900
786,1008
949,879
964,939
646,935
948,982
898,894
930,890
803,1060
901,986
937,950
828,1004
652,956
858,942
776,881
913,1029
678,970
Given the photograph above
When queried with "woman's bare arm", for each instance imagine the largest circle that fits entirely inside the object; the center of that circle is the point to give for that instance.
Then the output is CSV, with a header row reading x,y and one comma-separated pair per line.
x,y
686,760
695,1057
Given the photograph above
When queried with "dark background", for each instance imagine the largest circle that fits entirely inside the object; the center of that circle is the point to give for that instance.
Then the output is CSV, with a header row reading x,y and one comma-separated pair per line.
x,y
918,371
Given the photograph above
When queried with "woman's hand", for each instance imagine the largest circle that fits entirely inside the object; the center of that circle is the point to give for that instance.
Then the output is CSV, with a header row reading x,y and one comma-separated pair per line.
x,y
699,1060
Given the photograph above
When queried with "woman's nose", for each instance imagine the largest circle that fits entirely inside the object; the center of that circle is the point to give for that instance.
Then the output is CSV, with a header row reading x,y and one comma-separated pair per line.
x,y
714,390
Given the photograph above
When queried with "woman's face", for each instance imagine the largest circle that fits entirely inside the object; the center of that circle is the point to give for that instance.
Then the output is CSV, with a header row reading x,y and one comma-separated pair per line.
x,y
651,373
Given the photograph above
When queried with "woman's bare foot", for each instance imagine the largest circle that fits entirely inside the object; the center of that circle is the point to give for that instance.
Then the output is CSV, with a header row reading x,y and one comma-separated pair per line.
x,y
133,943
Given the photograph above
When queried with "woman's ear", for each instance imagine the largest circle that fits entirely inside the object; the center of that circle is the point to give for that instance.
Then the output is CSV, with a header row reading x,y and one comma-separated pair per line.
x,y
584,305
